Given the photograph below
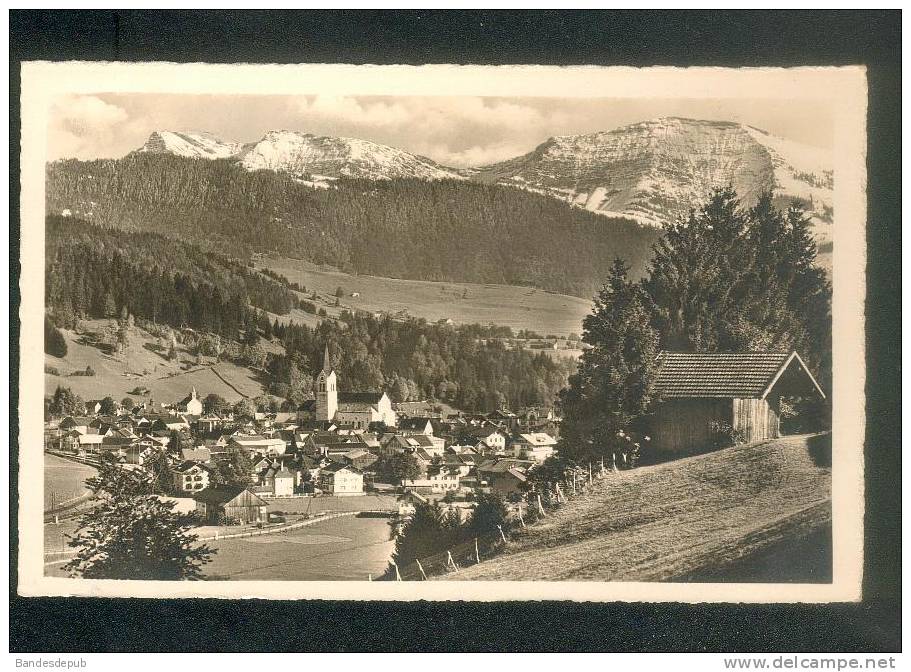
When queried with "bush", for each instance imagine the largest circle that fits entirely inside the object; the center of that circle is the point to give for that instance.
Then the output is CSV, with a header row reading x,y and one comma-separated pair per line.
x,y
52,370
724,435
54,342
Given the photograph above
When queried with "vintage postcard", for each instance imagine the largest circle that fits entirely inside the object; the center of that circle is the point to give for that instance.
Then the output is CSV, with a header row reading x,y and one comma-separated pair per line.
x,y
442,332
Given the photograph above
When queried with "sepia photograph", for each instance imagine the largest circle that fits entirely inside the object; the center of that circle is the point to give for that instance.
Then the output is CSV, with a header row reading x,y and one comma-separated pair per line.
x,y
496,333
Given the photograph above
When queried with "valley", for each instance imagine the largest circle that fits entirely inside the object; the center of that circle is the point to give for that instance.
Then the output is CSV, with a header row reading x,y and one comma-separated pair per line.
x,y
520,308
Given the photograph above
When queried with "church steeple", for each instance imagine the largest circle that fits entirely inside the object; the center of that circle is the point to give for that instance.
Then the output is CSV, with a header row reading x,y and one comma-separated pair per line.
x,y
326,392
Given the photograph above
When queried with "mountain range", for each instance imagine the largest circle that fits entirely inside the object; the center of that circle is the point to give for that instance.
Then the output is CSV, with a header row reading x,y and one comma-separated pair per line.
x,y
651,171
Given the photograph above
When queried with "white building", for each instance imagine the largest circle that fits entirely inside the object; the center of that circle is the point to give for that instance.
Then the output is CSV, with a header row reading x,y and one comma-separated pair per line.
x,y
537,446
357,409
190,405
341,479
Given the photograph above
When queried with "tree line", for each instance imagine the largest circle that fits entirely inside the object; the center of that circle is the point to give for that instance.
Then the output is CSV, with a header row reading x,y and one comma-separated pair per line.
x,y
93,272
416,360
725,279
403,228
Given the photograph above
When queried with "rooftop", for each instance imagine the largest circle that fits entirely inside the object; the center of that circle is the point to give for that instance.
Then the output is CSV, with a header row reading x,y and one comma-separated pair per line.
x,y
743,375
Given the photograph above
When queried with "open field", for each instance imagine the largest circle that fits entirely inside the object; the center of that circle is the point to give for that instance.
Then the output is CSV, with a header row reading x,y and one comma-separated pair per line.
x,y
756,512
66,478
347,548
139,365
517,307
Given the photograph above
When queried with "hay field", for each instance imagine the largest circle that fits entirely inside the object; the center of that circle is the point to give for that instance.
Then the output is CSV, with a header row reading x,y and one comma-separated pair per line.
x,y
674,520
464,303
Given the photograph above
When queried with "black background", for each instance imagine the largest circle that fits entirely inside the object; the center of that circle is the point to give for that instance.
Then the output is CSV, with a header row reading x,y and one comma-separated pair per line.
x,y
722,38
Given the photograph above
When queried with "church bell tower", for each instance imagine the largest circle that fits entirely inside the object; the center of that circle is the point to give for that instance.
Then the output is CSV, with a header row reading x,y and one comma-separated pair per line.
x,y
326,392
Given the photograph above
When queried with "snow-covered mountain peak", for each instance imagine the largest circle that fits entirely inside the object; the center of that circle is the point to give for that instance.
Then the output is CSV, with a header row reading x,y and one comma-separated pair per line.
x,y
657,170
189,144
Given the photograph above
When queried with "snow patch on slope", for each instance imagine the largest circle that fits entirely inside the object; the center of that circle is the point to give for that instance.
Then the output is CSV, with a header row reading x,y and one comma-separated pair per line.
x,y
192,145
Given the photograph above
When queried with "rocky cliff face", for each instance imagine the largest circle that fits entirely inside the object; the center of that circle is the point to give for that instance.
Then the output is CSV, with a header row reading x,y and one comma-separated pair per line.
x,y
653,171
193,145
319,158
657,170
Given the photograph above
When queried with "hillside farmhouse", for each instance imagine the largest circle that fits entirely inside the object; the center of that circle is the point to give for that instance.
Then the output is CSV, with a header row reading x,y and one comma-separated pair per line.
x,y
697,392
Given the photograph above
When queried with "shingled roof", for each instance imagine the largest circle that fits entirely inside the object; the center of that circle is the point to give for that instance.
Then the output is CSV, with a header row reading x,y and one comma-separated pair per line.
x,y
744,375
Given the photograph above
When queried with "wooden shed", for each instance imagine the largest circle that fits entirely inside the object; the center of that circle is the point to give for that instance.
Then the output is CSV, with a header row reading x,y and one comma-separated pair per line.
x,y
696,392
230,502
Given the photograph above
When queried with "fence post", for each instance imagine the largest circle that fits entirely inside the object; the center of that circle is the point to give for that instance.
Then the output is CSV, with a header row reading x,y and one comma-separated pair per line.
x,y
398,577
541,507
574,482
421,567
521,519
450,561
502,534
370,577
589,473
477,553
560,496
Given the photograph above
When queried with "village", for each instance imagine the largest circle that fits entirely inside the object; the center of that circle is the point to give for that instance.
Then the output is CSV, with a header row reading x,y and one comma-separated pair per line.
x,y
349,444
340,444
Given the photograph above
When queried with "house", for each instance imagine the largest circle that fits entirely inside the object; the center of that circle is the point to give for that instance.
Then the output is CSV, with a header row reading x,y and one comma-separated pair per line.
x,y
416,426
408,501
440,479
200,454
510,482
699,392
209,423
505,418
88,441
491,471
359,458
257,443
341,479
78,423
492,438
359,409
190,477
230,504
279,482
537,446
169,423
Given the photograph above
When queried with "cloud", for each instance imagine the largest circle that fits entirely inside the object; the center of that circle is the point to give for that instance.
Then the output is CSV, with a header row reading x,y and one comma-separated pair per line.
x,y
458,131
79,125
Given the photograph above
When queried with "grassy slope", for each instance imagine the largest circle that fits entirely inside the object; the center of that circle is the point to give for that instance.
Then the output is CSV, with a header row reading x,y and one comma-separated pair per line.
x,y
138,366
668,521
516,307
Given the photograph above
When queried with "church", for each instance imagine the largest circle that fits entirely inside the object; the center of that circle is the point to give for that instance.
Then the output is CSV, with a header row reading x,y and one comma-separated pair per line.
x,y
353,409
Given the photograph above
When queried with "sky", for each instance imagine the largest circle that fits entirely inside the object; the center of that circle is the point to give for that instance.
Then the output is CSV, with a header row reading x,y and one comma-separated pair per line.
x,y
456,131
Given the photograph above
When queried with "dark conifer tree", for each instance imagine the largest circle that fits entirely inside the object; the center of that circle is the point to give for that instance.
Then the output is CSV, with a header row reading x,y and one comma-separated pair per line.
x,y
612,386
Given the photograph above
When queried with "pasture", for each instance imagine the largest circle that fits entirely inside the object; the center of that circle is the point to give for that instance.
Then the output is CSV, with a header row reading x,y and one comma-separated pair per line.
x,y
143,365
759,512
463,303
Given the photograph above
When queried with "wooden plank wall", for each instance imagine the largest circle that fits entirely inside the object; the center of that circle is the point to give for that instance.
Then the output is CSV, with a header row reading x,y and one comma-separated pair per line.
x,y
683,425
755,419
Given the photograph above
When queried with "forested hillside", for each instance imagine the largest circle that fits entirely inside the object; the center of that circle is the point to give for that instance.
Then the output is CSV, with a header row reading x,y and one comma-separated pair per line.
x,y
444,230
104,273
415,360
95,272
